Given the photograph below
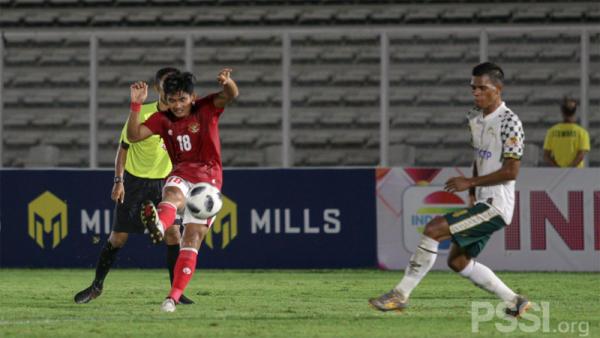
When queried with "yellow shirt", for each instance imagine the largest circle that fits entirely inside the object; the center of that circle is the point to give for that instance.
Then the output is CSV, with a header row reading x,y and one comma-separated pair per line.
x,y
565,140
147,158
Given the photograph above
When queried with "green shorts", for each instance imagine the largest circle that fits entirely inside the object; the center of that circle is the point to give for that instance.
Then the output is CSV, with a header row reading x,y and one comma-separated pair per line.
x,y
471,228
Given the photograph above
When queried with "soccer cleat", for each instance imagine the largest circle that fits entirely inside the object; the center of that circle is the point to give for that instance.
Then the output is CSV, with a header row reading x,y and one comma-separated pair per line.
x,y
521,306
390,301
86,295
168,305
185,301
152,222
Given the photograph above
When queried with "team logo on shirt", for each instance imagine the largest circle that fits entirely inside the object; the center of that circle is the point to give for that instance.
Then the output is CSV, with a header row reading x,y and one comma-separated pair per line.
x,y
194,128
512,141
47,219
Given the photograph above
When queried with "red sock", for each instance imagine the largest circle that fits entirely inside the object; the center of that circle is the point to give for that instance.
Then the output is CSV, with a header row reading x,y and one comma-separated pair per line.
x,y
166,213
184,270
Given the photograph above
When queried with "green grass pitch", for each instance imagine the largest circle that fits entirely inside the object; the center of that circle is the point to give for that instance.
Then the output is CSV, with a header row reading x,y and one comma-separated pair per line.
x,y
282,303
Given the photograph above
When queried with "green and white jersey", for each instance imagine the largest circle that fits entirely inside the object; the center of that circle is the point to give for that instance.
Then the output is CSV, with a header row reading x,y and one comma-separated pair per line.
x,y
495,137
147,158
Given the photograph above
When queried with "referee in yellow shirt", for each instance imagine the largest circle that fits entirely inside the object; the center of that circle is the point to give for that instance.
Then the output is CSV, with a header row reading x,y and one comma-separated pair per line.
x,y
140,169
566,143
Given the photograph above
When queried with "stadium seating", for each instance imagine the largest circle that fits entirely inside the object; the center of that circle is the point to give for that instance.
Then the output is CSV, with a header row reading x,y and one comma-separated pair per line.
x,y
335,76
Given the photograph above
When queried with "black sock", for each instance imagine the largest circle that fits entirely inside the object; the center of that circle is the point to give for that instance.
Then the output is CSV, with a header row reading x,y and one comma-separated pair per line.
x,y
105,261
172,254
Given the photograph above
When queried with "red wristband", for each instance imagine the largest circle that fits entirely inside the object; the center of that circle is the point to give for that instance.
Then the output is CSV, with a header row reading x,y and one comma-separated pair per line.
x,y
135,107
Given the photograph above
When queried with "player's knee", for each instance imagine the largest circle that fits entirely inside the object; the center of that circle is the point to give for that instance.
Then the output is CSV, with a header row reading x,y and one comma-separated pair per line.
x,y
117,241
457,264
203,231
174,196
433,229
437,229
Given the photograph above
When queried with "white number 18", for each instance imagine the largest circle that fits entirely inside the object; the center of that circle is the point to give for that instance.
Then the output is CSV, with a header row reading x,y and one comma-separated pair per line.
x,y
184,142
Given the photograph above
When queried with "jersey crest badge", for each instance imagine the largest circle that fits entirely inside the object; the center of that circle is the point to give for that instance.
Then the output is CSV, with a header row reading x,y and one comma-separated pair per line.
x,y
194,128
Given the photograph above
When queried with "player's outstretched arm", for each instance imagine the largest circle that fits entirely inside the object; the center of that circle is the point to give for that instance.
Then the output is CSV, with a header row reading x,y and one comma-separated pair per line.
x,y
508,172
136,131
230,90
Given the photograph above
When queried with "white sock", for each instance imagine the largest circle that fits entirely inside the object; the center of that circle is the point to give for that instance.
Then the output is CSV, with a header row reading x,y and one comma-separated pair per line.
x,y
485,278
420,263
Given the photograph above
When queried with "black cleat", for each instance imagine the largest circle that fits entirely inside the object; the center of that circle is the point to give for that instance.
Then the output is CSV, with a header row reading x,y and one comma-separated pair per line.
x,y
86,295
185,301
521,306
152,222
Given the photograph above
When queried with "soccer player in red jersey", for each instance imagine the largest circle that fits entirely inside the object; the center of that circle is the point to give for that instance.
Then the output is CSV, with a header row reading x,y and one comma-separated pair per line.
x,y
190,132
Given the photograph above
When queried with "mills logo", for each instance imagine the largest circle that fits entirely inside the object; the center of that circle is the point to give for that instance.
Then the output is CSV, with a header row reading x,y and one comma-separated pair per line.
x,y
423,203
225,224
47,217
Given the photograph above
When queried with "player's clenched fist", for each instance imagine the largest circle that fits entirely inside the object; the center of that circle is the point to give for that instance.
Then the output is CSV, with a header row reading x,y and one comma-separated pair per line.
x,y
139,92
224,76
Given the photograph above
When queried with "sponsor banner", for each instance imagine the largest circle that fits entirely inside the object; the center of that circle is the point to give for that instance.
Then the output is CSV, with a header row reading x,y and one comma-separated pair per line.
x,y
270,219
555,226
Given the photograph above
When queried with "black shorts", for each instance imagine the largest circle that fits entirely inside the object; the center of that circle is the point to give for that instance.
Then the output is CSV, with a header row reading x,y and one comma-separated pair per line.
x,y
137,190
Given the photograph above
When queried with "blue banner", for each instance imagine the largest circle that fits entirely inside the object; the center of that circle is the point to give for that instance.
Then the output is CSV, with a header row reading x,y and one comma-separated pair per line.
x,y
271,218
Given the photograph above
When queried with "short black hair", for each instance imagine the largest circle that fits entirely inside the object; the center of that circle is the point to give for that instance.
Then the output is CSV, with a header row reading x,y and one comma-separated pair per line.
x,y
162,72
492,70
178,82
568,106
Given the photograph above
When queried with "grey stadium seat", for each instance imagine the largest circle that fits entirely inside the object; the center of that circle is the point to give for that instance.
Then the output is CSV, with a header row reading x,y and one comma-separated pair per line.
x,y
248,159
264,119
462,14
50,120
20,139
314,77
42,156
435,157
247,16
401,155
329,158
530,14
322,15
422,15
316,138
361,158
391,15
338,119
283,16
413,119
531,155
354,15
349,139
237,139
494,14
363,97
535,75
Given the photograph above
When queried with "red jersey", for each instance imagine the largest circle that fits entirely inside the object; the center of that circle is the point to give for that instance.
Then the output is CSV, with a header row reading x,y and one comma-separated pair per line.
x,y
192,142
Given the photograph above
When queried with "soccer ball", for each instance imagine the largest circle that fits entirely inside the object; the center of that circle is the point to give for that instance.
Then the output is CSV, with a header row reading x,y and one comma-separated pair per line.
x,y
204,201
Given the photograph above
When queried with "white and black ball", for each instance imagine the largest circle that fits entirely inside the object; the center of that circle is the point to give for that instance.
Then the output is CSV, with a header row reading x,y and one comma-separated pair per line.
x,y
204,201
